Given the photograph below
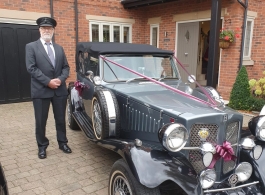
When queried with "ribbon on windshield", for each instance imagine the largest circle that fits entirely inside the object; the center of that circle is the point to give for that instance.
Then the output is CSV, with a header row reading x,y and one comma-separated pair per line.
x,y
224,151
204,91
212,103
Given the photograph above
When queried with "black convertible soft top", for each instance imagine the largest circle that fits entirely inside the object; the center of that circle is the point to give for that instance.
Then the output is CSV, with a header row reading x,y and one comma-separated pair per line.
x,y
99,48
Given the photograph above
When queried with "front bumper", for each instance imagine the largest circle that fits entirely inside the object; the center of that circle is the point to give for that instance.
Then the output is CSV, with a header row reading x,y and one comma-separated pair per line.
x,y
244,189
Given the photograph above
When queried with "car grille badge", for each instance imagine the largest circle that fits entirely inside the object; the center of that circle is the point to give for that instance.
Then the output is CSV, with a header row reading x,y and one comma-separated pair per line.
x,y
233,179
203,133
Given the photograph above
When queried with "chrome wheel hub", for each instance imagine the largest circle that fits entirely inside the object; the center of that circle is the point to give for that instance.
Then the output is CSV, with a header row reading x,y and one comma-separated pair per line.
x,y
121,186
97,119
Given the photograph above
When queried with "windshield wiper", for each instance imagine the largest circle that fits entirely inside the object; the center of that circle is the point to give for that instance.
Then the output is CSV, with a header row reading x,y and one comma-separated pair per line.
x,y
138,78
162,78
141,78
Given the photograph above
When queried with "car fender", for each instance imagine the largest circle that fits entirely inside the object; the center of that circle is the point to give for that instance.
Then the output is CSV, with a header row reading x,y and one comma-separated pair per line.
x,y
153,167
258,165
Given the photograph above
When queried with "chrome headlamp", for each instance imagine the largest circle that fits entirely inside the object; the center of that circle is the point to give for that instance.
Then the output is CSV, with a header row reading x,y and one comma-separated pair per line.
x,y
247,143
214,94
207,178
260,129
173,136
97,80
243,171
208,150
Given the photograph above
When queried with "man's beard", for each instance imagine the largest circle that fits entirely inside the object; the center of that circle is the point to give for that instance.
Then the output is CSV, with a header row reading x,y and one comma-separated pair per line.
x,y
47,37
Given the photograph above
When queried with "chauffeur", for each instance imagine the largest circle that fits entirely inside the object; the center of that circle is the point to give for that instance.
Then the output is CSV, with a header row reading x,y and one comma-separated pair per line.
x,y
47,64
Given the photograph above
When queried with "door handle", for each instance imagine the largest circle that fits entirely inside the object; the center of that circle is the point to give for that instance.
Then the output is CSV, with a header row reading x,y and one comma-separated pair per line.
x,y
186,54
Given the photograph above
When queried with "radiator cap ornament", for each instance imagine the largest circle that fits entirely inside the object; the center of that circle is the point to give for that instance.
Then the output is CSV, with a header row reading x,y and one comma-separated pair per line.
x,y
204,133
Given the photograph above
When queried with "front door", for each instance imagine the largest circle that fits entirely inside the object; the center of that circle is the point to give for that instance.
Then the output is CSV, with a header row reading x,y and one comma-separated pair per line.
x,y
14,78
187,48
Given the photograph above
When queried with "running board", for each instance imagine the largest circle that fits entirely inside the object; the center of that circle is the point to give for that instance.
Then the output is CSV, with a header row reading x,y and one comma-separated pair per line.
x,y
84,124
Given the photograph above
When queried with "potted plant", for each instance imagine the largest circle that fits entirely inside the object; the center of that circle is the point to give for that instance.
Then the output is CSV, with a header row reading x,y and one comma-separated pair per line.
x,y
226,37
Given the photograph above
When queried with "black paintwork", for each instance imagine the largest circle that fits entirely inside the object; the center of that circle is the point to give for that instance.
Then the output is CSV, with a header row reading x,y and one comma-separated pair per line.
x,y
146,107
3,182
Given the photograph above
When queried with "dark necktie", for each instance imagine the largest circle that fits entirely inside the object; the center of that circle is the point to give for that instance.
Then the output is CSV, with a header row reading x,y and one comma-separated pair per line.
x,y
50,54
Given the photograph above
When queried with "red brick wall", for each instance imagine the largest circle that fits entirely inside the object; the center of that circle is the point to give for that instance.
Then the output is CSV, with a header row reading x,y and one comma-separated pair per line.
x,y
258,46
65,31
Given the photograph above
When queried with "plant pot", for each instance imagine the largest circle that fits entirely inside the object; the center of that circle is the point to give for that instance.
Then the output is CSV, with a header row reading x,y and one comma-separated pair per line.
x,y
223,44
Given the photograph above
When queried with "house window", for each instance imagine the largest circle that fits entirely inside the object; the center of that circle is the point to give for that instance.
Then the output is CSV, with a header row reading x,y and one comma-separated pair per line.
x,y
110,32
95,32
154,35
248,38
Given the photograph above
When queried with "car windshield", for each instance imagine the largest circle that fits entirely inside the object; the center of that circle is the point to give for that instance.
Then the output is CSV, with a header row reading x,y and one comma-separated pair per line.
x,y
156,67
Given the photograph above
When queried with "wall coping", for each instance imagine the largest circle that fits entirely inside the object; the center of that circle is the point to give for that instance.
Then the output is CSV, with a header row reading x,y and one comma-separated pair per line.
x,y
110,19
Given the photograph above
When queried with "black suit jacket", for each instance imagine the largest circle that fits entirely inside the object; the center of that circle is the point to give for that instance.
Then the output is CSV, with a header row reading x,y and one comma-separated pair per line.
x,y
42,71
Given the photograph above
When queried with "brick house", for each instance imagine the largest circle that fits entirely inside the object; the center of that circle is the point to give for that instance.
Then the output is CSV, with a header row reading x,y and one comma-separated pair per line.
x,y
167,24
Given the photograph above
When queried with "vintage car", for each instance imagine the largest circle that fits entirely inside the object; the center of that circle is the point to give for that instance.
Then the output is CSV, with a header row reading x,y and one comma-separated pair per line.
x,y
173,136
3,182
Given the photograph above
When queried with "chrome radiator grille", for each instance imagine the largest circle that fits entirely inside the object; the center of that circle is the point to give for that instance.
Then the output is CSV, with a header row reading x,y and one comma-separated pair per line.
x,y
232,137
195,157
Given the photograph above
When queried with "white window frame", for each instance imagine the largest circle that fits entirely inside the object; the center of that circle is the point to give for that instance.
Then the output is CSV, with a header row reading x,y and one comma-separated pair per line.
x,y
247,58
152,26
111,24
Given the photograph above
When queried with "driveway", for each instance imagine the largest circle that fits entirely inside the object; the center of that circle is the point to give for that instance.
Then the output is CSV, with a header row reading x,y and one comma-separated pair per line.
x,y
85,171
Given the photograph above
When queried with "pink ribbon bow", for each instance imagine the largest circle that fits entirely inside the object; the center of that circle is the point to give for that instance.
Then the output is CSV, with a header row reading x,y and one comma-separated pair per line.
x,y
224,151
79,86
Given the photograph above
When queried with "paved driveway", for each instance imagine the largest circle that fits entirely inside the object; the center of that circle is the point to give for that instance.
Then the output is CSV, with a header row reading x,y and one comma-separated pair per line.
x,y
85,171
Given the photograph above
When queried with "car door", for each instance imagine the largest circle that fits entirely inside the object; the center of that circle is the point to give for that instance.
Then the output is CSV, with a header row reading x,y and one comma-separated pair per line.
x,y
87,64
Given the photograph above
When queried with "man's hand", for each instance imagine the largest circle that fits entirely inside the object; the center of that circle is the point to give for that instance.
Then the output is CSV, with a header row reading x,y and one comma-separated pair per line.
x,y
54,83
58,81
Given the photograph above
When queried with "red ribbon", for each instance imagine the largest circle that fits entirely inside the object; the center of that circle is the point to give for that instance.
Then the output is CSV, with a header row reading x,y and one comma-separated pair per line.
x,y
224,151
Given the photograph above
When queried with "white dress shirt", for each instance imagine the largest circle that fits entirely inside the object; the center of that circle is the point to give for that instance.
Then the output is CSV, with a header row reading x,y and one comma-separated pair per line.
x,y
45,47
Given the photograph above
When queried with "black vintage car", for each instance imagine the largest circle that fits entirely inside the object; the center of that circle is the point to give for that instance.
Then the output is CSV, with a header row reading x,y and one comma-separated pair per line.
x,y
3,182
172,138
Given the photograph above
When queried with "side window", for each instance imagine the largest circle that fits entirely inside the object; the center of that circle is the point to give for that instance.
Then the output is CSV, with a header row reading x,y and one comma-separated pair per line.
x,y
248,38
90,64
94,67
80,65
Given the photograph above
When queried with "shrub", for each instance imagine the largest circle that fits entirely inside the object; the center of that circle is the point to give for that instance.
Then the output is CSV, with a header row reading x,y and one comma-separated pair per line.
x,y
258,87
257,103
240,98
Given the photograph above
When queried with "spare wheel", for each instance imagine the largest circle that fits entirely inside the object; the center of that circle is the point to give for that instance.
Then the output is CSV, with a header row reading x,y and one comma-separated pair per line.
x,y
105,114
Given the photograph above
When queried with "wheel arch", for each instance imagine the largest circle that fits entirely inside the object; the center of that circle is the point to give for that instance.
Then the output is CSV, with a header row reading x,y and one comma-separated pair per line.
x,y
154,167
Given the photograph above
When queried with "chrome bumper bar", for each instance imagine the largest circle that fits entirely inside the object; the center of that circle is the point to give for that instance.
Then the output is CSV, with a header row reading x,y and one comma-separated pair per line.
x,y
232,188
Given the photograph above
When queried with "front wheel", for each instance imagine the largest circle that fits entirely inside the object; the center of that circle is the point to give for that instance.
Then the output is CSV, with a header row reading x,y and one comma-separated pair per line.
x,y
122,182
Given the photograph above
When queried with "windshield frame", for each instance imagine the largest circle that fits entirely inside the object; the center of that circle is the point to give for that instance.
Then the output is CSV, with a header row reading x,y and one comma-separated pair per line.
x,y
175,74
